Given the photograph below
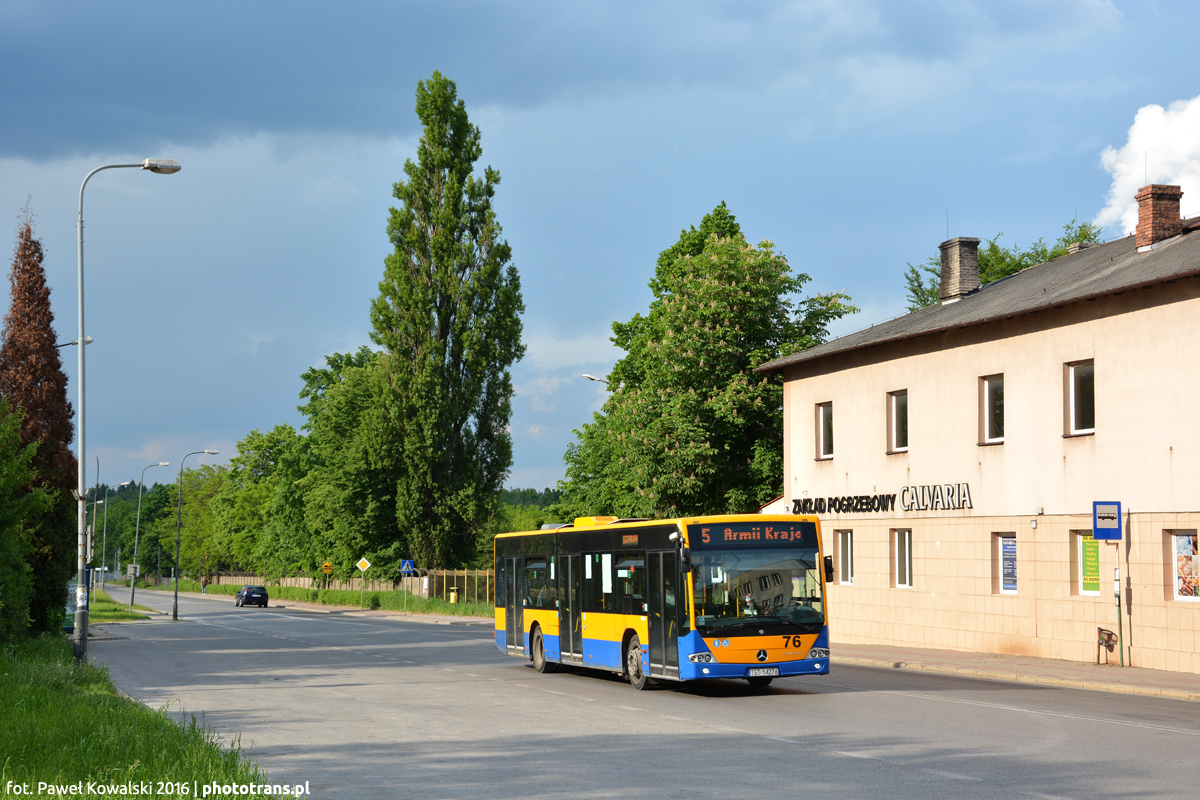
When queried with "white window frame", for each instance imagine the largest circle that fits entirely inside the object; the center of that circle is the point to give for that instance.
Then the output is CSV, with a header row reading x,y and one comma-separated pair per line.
x,y
893,422
1181,541
988,385
824,425
845,547
1072,401
902,545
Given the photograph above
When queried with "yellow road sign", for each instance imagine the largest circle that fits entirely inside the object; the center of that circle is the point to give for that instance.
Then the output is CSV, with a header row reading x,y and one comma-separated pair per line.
x,y
327,567
363,564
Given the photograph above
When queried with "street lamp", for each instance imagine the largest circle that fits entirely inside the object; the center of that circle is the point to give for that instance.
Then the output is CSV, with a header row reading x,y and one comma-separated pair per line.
x,y
161,166
594,378
137,525
104,539
179,528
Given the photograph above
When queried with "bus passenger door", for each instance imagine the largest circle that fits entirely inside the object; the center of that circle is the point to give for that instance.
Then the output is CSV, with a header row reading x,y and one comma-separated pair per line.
x,y
514,609
660,612
568,612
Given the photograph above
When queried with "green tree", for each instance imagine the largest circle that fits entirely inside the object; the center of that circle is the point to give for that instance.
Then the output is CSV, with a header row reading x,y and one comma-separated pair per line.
x,y
448,318
690,427
350,485
31,378
242,506
199,552
17,504
922,282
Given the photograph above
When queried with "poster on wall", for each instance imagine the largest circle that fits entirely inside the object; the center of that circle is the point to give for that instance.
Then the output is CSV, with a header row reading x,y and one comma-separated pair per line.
x,y
1008,564
1186,565
1089,565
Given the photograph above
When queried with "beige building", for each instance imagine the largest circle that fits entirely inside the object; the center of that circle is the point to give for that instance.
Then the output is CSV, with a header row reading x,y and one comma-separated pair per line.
x,y
955,454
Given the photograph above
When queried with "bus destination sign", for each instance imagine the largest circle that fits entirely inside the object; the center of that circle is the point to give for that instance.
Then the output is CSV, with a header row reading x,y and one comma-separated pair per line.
x,y
801,533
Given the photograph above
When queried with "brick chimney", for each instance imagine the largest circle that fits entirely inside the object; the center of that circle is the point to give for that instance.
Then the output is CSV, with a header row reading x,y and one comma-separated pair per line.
x,y
1158,214
960,268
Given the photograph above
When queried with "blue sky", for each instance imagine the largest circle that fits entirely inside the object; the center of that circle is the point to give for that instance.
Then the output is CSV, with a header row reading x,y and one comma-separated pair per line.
x,y
846,132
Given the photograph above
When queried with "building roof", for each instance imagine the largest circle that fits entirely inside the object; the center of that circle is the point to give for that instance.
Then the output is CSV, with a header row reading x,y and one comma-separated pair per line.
x,y
1095,271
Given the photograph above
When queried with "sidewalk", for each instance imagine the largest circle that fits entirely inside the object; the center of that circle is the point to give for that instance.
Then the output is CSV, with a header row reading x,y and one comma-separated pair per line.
x,y
1025,669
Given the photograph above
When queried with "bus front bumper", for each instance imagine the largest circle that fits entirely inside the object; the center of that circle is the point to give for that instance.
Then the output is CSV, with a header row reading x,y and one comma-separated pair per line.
x,y
712,669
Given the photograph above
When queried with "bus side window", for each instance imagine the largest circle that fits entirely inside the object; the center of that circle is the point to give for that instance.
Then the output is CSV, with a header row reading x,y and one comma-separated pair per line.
x,y
593,589
630,582
500,600
537,580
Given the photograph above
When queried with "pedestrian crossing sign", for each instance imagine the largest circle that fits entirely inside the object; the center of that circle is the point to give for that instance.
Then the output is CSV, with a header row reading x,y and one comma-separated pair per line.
x,y
406,567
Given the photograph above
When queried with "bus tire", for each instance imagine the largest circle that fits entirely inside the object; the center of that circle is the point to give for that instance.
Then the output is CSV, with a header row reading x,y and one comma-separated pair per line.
x,y
638,679
539,653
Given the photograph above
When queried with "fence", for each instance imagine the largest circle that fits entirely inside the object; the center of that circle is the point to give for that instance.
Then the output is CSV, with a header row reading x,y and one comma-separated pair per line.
x,y
468,585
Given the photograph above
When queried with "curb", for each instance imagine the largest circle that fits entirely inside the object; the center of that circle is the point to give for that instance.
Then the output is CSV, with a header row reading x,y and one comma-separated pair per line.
x,y
1015,677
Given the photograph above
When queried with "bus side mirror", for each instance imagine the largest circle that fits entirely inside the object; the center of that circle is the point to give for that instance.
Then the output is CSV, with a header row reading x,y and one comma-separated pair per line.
x,y
829,569
685,559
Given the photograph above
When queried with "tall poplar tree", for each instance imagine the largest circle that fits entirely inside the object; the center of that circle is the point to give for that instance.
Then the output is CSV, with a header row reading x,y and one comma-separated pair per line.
x,y
32,379
448,318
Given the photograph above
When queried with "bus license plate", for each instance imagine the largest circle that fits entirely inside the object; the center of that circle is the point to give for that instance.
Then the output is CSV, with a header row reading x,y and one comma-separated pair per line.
x,y
763,672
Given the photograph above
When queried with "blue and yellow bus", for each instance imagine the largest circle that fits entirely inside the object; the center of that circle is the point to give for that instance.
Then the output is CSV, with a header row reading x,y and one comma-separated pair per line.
x,y
734,596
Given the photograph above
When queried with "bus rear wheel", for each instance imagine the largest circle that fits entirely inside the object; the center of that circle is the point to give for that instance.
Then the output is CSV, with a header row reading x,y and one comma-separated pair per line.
x,y
539,654
633,664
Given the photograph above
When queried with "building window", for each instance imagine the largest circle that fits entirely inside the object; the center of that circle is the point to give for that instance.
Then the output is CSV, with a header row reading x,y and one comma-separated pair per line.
x,y
1004,563
1085,564
824,430
845,554
991,391
902,558
1186,566
897,421
1081,398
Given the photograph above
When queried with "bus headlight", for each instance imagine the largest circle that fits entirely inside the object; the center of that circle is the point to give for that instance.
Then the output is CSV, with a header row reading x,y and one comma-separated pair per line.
x,y
700,658
818,652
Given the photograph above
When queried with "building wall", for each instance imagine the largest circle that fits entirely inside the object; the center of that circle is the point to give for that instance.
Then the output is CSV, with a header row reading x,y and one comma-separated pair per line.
x,y
955,602
1145,452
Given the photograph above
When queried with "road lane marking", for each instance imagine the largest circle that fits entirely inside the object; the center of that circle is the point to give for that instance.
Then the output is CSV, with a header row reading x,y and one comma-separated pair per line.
x,y
1038,712
952,775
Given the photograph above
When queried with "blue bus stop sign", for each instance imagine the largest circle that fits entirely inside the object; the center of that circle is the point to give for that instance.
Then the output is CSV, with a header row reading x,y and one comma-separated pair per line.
x,y
407,568
1106,520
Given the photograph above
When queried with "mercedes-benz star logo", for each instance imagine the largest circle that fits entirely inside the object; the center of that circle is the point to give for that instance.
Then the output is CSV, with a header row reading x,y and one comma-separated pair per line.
x,y
762,655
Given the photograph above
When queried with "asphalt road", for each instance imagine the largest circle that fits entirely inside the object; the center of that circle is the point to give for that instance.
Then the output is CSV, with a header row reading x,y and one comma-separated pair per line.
x,y
368,707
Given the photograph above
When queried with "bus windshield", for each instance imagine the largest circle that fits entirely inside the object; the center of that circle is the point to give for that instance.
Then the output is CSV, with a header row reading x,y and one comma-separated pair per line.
x,y
743,592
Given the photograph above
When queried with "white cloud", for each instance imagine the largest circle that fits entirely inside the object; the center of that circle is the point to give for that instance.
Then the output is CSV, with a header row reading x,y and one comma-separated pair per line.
x,y
549,351
540,391
1163,146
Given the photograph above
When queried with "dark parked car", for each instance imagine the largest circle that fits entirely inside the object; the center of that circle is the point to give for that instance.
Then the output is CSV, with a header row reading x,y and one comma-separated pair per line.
x,y
251,596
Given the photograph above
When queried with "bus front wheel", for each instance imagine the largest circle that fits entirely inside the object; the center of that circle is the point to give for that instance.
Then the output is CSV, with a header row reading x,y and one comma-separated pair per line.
x,y
539,654
633,664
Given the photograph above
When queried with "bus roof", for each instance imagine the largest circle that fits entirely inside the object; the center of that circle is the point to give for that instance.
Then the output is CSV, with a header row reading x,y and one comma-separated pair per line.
x,y
584,523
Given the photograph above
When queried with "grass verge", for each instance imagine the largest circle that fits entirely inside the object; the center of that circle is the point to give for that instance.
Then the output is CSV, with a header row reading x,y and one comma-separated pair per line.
x,y
62,724
105,609
391,601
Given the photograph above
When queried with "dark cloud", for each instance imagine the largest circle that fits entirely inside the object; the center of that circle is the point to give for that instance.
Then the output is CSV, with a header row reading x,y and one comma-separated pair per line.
x,y
97,76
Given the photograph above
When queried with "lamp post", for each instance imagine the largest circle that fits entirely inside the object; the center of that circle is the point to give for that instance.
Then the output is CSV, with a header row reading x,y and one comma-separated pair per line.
x,y
179,528
104,538
594,378
161,166
137,525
